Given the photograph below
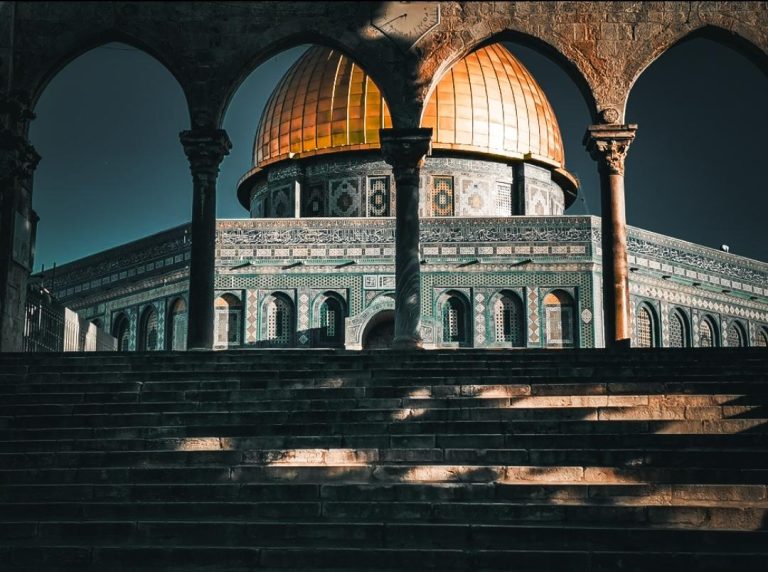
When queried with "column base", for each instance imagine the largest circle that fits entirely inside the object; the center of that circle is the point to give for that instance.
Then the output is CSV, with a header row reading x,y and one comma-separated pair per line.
x,y
407,343
620,345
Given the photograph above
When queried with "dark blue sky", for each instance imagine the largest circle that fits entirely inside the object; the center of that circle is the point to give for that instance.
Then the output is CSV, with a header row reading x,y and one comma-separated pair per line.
x,y
113,169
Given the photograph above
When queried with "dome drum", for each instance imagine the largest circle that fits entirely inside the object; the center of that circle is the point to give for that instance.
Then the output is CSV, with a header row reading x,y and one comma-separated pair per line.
x,y
361,185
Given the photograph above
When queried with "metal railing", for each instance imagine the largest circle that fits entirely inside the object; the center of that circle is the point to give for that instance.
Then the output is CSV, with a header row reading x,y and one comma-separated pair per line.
x,y
51,327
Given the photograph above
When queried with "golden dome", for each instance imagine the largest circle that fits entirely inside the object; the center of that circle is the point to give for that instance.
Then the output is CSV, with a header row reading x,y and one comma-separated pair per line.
x,y
486,103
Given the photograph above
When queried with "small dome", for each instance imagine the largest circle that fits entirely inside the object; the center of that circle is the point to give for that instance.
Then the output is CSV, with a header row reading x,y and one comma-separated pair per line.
x,y
486,103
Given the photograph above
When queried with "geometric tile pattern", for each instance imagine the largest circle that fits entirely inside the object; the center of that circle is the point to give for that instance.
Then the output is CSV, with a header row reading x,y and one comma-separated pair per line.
x,y
533,317
251,315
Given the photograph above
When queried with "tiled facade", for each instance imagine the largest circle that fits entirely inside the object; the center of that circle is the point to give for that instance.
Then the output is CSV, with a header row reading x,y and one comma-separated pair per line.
x,y
305,261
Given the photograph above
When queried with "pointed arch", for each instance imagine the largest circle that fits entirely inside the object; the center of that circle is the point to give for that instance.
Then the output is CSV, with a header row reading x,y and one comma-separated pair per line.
x,y
679,329
454,311
508,319
708,332
559,319
148,332
121,330
176,334
646,331
278,320
228,321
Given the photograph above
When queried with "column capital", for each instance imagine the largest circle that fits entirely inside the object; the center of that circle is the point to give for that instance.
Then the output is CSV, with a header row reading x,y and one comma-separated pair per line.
x,y
205,149
609,144
406,148
18,158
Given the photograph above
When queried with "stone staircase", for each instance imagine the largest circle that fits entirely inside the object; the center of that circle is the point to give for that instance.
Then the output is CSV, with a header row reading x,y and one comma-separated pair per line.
x,y
319,460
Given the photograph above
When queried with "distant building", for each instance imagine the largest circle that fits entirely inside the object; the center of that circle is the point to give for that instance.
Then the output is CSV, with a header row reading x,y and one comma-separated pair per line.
x,y
502,265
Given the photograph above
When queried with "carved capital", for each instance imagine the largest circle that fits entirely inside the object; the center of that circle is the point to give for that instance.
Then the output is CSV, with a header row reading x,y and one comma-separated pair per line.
x,y
205,149
609,144
18,158
405,149
17,110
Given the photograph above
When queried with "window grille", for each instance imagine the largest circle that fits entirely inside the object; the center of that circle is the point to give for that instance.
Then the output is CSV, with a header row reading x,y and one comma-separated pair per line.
x,y
735,339
149,331
453,321
706,336
279,316
378,196
644,328
442,196
233,327
178,329
676,331
507,318
762,339
503,199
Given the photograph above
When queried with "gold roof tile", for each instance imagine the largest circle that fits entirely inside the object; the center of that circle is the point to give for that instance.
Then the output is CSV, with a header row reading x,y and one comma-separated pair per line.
x,y
487,103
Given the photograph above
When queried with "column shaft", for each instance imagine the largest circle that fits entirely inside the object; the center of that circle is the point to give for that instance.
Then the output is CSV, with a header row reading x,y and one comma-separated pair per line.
x,y
405,150
205,150
608,145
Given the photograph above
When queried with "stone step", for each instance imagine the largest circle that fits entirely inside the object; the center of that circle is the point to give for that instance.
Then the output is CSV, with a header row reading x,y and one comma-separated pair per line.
x,y
753,458
662,441
681,494
39,405
389,473
701,516
407,431
406,414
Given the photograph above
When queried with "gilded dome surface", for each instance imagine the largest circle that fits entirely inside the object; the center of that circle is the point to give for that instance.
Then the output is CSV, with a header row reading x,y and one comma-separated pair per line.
x,y
486,103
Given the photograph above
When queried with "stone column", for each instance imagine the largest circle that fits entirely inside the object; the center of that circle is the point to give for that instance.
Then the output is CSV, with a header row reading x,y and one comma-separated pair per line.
x,y
405,150
205,149
608,145
18,160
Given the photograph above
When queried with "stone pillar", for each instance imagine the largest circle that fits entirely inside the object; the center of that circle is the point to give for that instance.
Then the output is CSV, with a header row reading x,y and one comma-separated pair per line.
x,y
18,221
405,150
608,145
205,149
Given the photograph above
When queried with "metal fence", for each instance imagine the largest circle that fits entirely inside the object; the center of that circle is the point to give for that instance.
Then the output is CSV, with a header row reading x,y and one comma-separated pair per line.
x,y
51,327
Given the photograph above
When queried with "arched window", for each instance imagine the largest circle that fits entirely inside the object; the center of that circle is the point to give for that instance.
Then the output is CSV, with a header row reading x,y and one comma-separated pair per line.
x,y
280,320
508,320
331,316
177,326
645,334
761,339
228,319
736,336
148,330
122,331
707,333
678,330
558,319
454,313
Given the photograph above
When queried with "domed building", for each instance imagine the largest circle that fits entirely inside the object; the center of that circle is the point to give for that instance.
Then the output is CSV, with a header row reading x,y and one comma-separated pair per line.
x,y
502,265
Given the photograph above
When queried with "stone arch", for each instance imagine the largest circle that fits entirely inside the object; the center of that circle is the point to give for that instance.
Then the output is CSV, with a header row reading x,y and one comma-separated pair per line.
x,y
176,324
444,61
62,55
329,311
507,319
761,337
455,319
738,40
559,319
357,327
148,335
121,330
379,330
